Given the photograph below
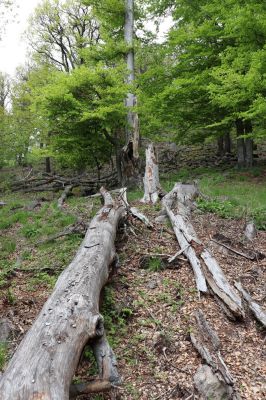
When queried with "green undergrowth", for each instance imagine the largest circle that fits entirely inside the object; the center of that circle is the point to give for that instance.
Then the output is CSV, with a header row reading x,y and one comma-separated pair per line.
x,y
21,231
3,354
229,193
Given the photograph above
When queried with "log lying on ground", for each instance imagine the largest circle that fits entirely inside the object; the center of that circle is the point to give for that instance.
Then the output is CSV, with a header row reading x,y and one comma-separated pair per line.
x,y
207,343
64,196
183,236
257,310
181,199
46,359
56,182
151,178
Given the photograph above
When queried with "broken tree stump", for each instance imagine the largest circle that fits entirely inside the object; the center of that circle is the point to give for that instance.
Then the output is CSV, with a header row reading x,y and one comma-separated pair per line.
x,y
64,196
151,181
207,343
46,359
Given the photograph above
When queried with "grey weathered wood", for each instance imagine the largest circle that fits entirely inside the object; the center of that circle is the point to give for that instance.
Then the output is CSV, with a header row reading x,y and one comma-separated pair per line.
x,y
219,284
151,178
64,196
134,210
257,310
181,199
250,231
188,250
46,359
207,343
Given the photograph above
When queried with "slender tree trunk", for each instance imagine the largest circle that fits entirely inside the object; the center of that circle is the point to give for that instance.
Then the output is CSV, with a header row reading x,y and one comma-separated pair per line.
x,y
249,144
48,168
130,152
220,146
241,148
227,143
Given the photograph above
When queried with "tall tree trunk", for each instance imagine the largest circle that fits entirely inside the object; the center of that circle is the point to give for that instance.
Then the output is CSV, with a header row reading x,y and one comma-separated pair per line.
x,y
220,145
130,152
48,168
227,143
249,144
241,148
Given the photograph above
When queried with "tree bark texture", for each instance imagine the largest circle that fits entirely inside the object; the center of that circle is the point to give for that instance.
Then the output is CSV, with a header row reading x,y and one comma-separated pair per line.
x,y
178,204
46,359
244,145
151,178
130,152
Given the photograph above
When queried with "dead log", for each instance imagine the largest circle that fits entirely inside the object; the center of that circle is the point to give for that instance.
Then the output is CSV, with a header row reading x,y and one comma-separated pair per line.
x,y
256,309
219,284
151,181
64,196
181,199
187,249
207,343
46,359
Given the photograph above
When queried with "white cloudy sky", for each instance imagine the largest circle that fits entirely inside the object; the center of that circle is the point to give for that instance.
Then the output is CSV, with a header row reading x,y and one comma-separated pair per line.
x,y
12,46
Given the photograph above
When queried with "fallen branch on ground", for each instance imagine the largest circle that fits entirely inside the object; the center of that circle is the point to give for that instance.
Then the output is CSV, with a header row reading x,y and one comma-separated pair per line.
x,y
256,309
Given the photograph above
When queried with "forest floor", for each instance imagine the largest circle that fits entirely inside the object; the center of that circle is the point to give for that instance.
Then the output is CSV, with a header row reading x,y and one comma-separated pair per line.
x,y
148,303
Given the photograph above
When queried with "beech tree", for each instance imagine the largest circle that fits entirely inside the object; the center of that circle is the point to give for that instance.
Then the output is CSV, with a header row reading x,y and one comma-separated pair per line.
x,y
60,31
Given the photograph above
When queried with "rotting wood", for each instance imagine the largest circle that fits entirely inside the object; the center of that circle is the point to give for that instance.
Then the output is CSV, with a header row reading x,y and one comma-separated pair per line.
x,y
188,251
151,181
64,196
46,359
219,284
256,309
207,343
49,182
178,204
180,193
133,210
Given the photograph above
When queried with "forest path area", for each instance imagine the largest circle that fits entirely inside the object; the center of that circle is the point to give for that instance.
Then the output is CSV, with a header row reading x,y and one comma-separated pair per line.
x,y
148,304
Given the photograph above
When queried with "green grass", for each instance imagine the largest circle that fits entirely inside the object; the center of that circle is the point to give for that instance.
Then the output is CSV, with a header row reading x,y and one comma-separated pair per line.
x,y
3,354
231,193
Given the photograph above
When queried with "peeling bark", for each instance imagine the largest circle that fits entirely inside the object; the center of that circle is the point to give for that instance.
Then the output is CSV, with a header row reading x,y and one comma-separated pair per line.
x,y
46,359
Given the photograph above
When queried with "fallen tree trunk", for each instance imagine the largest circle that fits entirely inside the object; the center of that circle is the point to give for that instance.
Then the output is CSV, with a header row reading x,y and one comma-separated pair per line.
x,y
184,237
181,199
151,178
46,359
